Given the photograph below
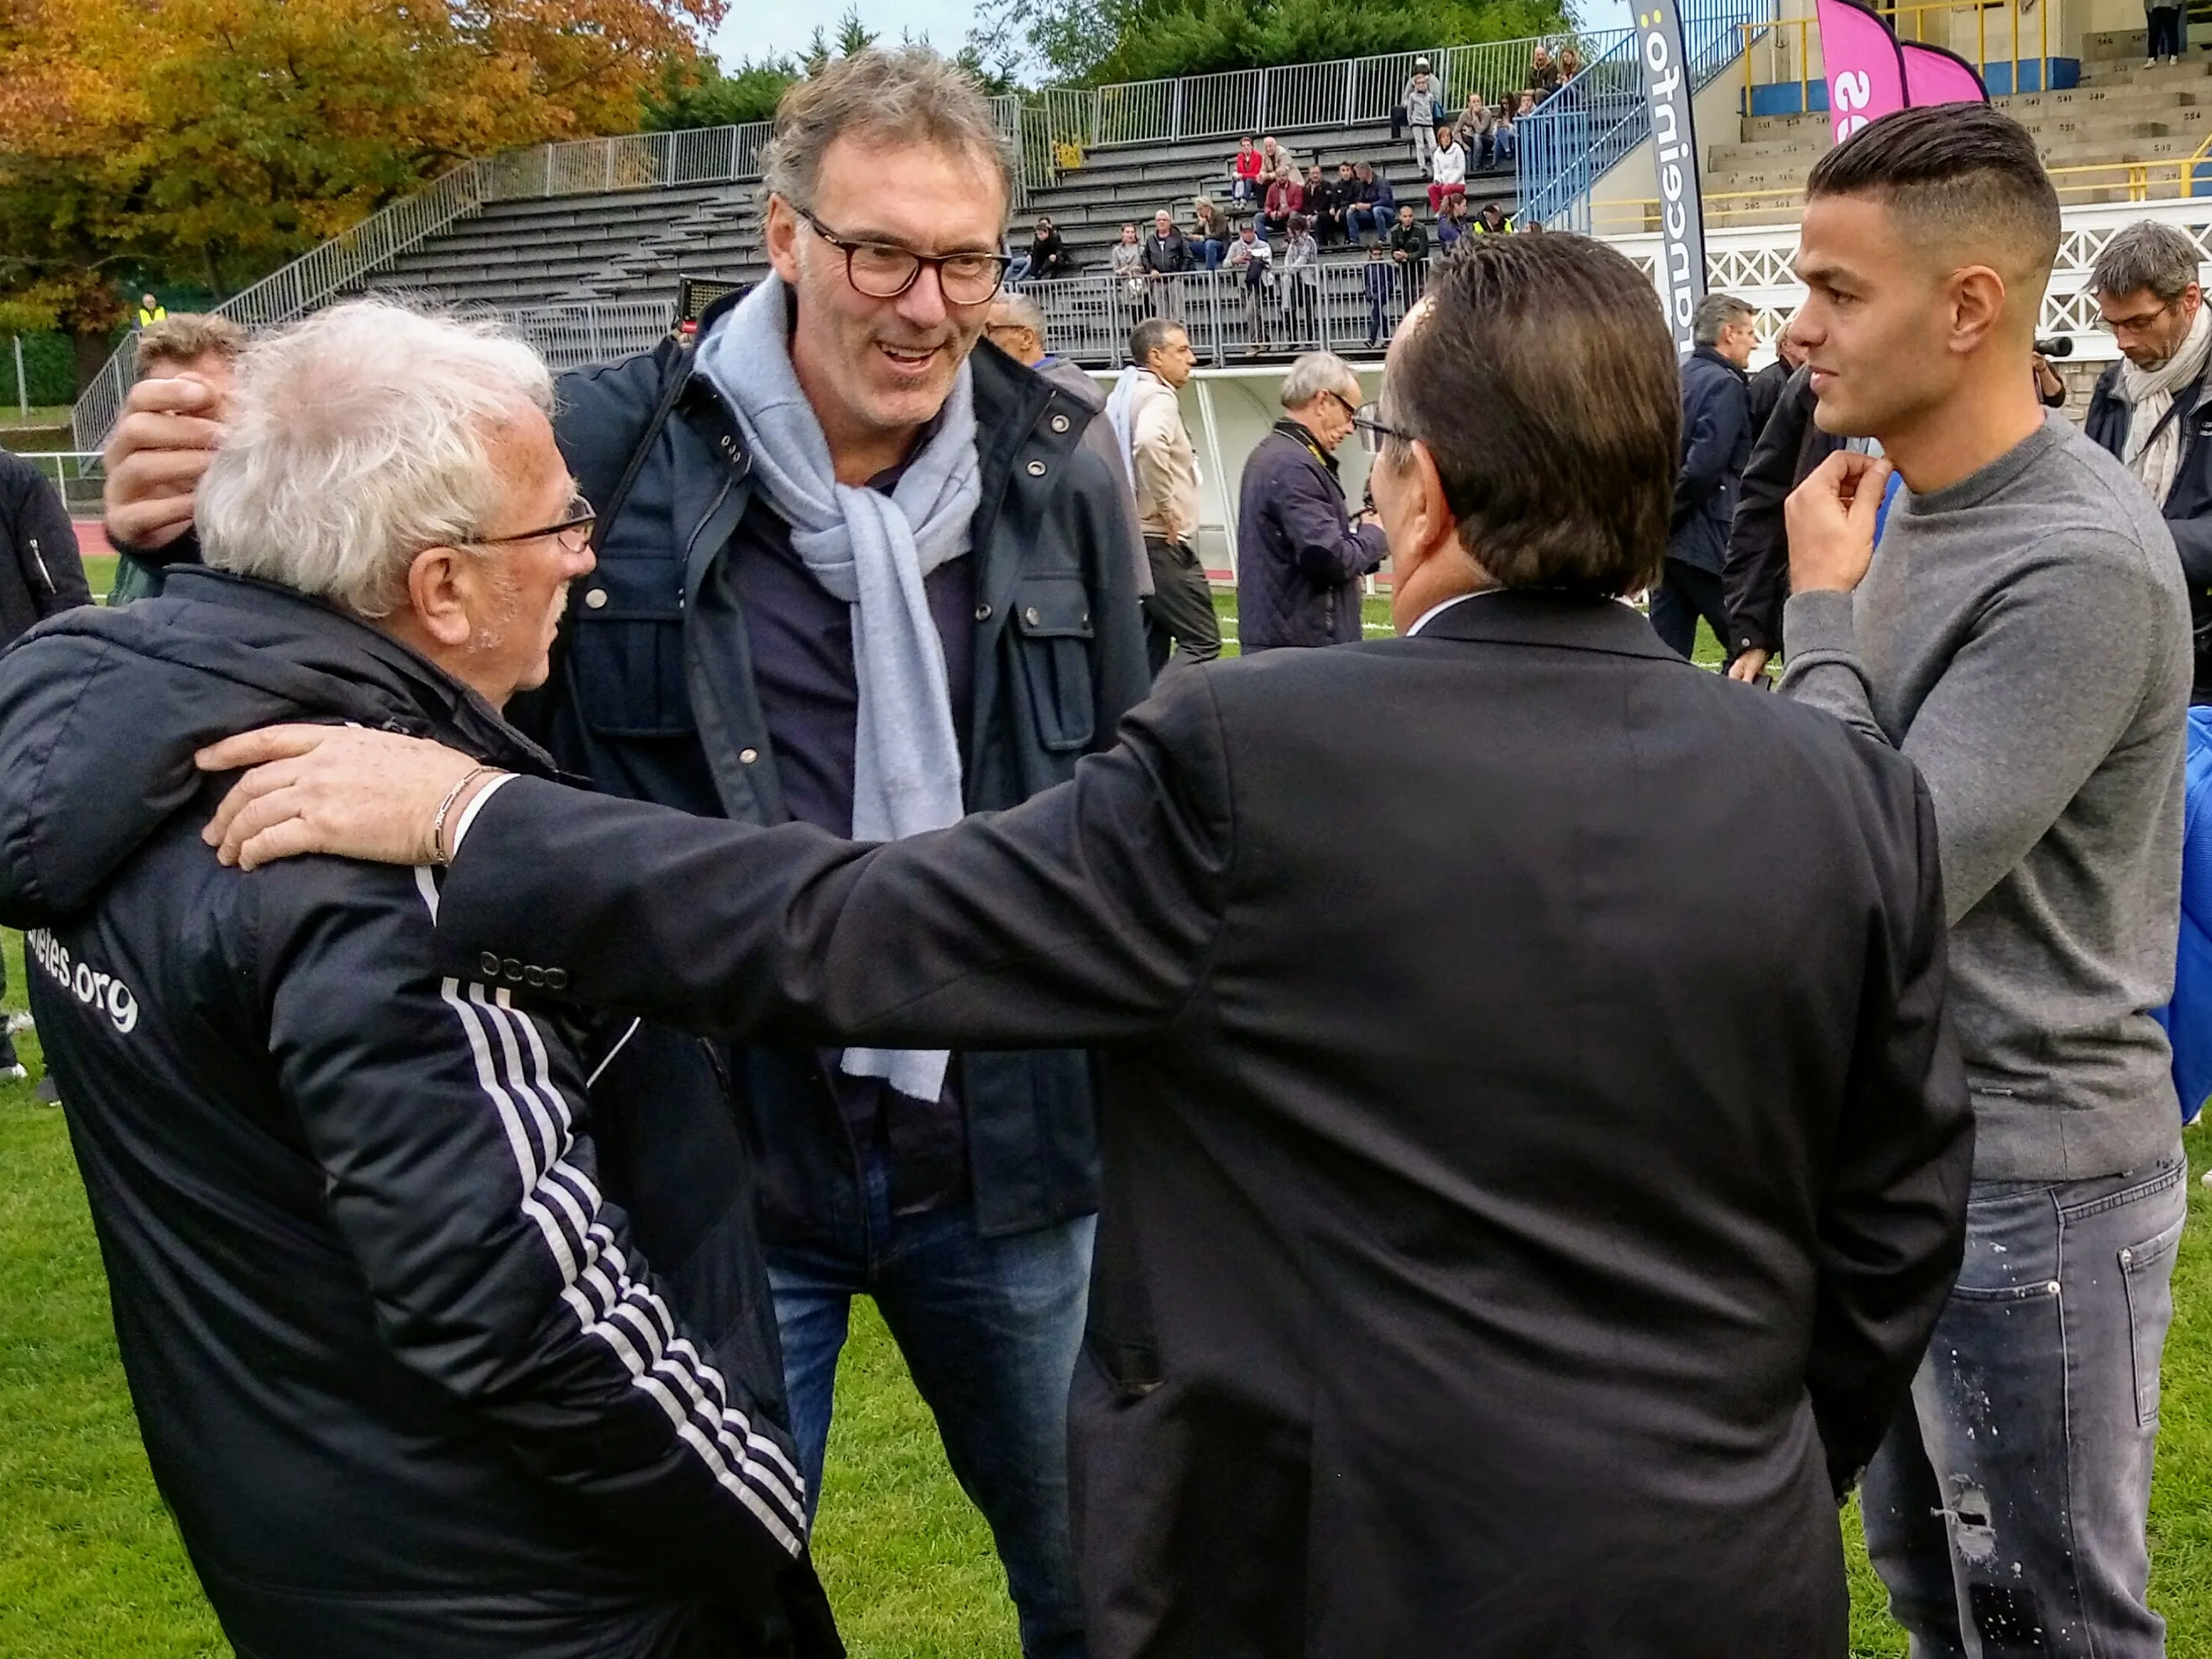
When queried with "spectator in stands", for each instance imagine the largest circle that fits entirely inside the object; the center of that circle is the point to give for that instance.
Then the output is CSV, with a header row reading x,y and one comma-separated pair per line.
x,y
185,365
1477,132
1570,63
1530,100
1048,258
150,311
1715,443
1211,232
1126,259
1179,616
1018,328
1250,261
1409,252
1168,255
2164,34
1543,75
1502,131
1246,173
1423,104
1299,556
1299,280
1286,196
1377,207
1452,225
1490,222
1447,169
2150,408
1274,158
1332,218
1381,284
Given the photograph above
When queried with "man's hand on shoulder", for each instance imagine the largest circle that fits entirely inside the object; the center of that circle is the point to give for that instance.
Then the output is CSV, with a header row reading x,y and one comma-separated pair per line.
x,y
1831,520
169,432
341,790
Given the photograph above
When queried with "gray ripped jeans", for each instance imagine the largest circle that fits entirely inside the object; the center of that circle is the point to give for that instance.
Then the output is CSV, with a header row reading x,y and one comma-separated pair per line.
x,y
2005,1510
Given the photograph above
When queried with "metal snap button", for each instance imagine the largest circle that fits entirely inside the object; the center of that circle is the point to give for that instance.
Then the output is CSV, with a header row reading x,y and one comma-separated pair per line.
x,y
982,613
2127,1258
488,964
747,757
595,598
556,979
1030,617
1059,423
2051,1289
1036,469
511,969
533,975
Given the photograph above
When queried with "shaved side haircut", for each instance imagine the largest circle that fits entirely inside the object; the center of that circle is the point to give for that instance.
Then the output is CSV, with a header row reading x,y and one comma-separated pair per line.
x,y
1965,177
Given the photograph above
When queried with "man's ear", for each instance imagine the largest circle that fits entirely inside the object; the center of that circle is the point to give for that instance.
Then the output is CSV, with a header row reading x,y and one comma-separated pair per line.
x,y
434,586
1978,306
780,236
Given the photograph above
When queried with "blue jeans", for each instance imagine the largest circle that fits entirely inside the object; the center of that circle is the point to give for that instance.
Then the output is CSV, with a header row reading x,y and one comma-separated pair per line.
x,y
1506,145
2005,1509
1361,219
990,1328
1213,248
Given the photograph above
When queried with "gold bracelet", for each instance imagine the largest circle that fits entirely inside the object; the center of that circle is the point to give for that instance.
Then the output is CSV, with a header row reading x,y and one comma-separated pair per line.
x,y
439,856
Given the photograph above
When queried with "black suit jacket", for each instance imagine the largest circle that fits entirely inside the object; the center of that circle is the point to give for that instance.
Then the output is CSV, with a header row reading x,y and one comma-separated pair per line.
x,y
1530,1125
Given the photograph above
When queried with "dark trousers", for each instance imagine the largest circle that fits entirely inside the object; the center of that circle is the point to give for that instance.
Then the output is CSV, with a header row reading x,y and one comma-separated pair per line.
x,y
2165,31
1684,594
1179,611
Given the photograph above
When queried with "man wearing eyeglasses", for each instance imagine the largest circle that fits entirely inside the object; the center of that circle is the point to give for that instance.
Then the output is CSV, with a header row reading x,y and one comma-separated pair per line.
x,y
856,573
1299,557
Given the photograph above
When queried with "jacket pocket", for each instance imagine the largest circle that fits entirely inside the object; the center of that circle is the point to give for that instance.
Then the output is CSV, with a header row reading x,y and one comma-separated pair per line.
x,y
628,673
1053,618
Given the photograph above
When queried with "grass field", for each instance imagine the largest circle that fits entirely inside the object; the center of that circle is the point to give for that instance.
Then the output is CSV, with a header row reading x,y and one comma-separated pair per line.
x,y
90,1567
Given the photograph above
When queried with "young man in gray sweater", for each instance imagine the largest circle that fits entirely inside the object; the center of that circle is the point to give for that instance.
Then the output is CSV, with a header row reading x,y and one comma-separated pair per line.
x,y
2023,636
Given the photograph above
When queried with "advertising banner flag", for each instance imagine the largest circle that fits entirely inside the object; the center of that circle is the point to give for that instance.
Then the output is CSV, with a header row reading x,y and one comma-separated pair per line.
x,y
1865,71
1668,90
1933,75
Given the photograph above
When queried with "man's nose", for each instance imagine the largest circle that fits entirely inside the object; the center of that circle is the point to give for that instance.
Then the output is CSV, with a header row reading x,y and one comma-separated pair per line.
x,y
924,301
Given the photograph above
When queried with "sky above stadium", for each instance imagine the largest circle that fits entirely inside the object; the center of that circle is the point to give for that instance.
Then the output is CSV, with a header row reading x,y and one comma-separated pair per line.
x,y
756,29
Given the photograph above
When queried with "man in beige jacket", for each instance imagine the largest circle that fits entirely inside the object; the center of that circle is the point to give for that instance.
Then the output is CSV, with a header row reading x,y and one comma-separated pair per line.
x,y
1163,467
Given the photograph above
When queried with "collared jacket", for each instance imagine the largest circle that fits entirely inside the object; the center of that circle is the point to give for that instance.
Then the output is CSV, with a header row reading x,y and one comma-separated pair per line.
x,y
1716,438
2187,508
1164,465
1300,558
1164,255
437,1344
652,697
1755,576
40,573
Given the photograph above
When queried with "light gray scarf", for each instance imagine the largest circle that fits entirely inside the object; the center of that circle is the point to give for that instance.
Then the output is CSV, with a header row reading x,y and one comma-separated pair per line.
x,y
872,551
2149,393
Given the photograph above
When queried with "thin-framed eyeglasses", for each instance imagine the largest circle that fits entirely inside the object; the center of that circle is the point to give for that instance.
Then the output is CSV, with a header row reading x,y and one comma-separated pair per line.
x,y
883,270
1350,410
1373,430
573,530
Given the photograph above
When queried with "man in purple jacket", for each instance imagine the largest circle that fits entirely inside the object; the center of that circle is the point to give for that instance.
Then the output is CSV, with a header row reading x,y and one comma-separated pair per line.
x,y
1300,554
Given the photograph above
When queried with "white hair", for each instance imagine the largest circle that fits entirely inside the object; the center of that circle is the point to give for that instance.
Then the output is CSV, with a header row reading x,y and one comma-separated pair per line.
x,y
1314,372
358,437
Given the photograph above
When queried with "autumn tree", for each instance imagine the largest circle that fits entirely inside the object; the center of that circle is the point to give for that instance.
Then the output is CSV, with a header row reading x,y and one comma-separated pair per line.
x,y
211,140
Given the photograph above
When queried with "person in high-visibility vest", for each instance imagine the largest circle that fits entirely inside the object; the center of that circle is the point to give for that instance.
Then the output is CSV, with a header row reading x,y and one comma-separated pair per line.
x,y
150,311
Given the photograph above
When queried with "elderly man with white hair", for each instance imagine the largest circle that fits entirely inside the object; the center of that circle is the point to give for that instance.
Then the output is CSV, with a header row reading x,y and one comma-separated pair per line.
x,y
1300,555
404,1375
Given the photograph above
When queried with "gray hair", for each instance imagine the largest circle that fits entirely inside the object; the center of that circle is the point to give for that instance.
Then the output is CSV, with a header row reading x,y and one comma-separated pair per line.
x,y
357,438
2146,255
901,97
1019,311
1314,372
1715,312
1149,337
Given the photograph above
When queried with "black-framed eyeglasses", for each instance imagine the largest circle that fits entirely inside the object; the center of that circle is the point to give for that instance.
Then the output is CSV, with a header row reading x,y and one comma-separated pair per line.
x,y
573,530
1373,430
883,270
1350,408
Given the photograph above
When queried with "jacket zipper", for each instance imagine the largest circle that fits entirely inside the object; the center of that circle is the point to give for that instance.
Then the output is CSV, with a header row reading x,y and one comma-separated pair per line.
x,y
40,559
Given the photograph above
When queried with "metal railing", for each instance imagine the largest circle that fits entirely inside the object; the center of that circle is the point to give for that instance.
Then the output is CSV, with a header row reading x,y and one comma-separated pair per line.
x,y
1350,307
1601,114
599,332
1294,98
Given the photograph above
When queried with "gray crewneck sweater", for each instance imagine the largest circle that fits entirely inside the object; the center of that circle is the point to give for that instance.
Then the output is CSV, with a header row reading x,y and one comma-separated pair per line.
x,y
2023,637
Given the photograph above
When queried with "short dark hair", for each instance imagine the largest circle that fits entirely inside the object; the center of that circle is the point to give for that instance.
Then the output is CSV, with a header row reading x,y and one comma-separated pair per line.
x,y
1965,174
1568,480
1149,337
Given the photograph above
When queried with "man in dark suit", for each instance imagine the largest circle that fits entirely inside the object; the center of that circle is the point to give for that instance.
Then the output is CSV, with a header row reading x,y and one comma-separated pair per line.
x,y
1520,1225
1716,434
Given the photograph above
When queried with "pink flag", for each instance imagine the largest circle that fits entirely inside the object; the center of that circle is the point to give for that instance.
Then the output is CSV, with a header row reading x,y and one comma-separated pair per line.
x,y
1933,75
1865,71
